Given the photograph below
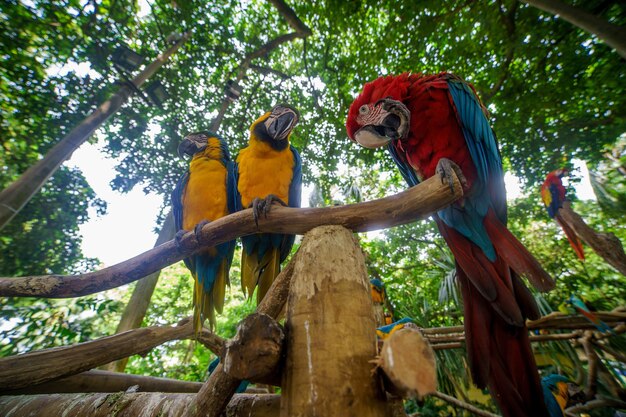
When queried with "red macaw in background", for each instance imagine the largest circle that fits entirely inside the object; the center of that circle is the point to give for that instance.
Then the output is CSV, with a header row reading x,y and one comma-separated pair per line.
x,y
553,196
427,122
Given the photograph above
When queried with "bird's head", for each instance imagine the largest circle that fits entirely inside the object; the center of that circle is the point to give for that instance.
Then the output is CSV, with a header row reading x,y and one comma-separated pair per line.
x,y
558,173
196,142
275,126
378,115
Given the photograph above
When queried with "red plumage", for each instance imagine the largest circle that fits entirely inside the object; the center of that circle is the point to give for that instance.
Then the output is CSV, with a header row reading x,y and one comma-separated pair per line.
x,y
553,196
496,301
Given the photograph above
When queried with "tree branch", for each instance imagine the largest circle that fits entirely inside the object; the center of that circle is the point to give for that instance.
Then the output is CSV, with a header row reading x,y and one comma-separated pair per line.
x,y
405,207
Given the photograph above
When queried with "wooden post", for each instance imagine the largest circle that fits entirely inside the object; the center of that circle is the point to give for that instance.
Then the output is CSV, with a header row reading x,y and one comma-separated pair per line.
x,y
606,245
330,331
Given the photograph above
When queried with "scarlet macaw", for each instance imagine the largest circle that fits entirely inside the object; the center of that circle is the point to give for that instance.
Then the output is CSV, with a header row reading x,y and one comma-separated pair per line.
x,y
553,196
426,122
206,192
269,169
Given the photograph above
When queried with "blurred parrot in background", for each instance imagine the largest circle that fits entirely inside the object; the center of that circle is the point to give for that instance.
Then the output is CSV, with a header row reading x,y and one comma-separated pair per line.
x,y
269,170
555,394
384,332
582,309
429,124
206,192
553,196
377,290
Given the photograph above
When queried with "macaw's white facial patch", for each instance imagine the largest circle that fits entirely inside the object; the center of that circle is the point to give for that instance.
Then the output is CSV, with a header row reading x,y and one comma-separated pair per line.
x,y
371,115
369,138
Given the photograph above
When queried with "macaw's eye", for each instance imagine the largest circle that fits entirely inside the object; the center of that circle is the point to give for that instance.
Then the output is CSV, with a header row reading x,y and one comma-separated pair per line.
x,y
364,109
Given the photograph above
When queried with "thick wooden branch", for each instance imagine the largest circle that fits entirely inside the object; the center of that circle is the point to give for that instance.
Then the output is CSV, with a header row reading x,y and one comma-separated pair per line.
x,y
606,245
415,203
50,364
130,405
256,350
105,381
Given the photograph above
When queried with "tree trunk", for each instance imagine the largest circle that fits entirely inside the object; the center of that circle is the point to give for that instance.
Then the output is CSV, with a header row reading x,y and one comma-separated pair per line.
x,y
139,302
331,331
15,196
130,405
606,245
613,35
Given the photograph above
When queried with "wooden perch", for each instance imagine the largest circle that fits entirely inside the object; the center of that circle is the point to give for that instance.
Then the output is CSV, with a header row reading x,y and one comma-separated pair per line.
x,y
330,330
408,362
129,405
49,364
105,381
254,353
606,245
405,207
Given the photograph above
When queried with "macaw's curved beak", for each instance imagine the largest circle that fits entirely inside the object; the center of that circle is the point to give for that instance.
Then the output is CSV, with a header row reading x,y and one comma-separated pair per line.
x,y
281,122
192,144
390,122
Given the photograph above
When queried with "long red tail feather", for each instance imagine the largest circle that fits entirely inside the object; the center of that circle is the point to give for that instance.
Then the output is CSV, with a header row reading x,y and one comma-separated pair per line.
x,y
574,241
497,341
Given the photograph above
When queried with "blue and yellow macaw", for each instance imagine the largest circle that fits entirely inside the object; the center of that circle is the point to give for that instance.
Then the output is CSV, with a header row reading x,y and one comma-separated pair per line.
x,y
377,289
555,394
580,306
387,330
204,193
269,170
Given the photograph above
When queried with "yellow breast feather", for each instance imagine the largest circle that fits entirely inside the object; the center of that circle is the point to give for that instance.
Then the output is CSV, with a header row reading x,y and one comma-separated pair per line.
x,y
263,171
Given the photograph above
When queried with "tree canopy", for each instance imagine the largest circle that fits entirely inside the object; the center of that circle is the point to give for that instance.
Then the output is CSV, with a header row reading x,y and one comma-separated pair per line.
x,y
555,93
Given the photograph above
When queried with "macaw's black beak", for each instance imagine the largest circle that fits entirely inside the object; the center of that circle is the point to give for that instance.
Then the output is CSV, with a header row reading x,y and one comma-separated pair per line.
x,y
281,122
192,144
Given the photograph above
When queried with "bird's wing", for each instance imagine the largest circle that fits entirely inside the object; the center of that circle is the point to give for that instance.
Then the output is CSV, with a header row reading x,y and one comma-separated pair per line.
x,y
177,211
482,145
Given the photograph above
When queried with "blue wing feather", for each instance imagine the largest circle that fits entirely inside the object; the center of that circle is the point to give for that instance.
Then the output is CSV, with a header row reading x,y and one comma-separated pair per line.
x,y
488,189
406,170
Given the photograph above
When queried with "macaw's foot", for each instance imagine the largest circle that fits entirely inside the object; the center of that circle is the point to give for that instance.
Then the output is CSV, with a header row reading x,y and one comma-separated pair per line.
x,y
263,206
197,230
445,167
178,237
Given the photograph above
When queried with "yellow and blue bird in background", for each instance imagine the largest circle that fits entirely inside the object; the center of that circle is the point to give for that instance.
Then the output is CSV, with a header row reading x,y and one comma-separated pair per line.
x,y
204,193
555,394
269,170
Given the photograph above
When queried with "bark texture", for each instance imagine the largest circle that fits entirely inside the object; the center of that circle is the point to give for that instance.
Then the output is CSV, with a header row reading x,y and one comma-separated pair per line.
x,y
129,405
331,331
